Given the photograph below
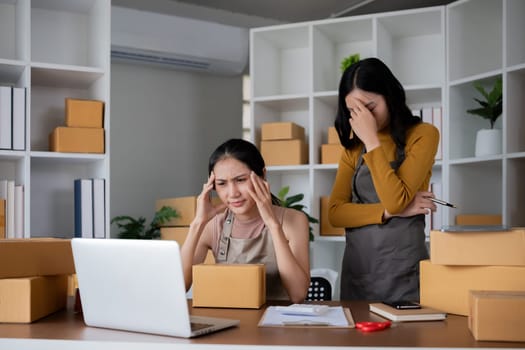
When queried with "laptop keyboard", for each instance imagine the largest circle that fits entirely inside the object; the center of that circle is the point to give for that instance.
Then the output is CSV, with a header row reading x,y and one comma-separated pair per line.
x,y
195,326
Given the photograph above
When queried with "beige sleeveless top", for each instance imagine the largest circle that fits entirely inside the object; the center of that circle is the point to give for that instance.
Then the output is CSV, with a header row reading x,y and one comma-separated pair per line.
x,y
249,242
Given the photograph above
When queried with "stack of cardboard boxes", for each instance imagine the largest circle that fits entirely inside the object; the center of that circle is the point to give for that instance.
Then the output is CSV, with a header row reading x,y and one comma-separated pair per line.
x,y
331,151
176,229
283,143
221,285
35,275
480,275
84,130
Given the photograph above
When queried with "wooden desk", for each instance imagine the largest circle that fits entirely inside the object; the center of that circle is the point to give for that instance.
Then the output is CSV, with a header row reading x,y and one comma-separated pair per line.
x,y
67,330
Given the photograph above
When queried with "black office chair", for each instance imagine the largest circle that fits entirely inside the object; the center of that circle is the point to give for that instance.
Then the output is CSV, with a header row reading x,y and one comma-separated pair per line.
x,y
320,289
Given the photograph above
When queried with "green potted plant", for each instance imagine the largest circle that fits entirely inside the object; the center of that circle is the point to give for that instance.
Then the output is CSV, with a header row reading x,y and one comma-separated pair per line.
x,y
488,141
132,228
293,202
348,61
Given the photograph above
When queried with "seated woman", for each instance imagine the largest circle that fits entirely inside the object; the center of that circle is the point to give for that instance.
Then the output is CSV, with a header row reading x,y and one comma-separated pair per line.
x,y
254,228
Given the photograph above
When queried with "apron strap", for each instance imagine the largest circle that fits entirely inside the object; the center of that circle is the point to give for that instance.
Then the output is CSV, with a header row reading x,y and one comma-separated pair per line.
x,y
224,242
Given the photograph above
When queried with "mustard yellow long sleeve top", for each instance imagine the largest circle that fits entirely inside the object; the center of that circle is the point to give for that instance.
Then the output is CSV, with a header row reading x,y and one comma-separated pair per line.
x,y
395,190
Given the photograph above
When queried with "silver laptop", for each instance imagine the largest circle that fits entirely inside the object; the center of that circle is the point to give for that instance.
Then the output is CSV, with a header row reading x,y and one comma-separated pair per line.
x,y
137,285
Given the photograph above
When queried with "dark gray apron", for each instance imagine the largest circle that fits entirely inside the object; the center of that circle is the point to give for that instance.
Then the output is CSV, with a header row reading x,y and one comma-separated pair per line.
x,y
381,262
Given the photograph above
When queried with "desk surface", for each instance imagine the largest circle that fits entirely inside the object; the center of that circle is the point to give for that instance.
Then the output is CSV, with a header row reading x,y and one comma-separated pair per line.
x,y
67,329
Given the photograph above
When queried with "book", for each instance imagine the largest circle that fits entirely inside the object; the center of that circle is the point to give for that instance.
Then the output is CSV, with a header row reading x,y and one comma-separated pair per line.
x,y
393,314
83,189
6,118
10,210
19,119
2,218
99,208
19,211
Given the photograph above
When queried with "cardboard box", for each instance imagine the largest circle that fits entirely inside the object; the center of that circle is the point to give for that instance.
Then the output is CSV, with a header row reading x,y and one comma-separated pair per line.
x,y
326,229
478,219
229,285
179,234
185,207
281,131
333,137
76,140
289,152
447,288
478,248
84,113
35,257
497,316
331,153
26,299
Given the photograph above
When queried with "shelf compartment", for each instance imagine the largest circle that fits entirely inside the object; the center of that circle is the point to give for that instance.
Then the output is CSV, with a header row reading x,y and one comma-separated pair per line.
x,y
468,21
294,110
476,188
515,29
281,62
411,41
334,41
12,72
462,125
296,178
324,108
52,193
514,105
48,107
12,167
75,27
13,29
515,190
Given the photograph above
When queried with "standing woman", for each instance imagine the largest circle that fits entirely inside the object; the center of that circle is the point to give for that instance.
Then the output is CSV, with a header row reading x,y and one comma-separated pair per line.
x,y
380,190
254,228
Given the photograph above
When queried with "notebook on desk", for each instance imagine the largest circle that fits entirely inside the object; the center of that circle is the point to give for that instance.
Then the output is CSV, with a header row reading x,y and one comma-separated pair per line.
x,y
137,285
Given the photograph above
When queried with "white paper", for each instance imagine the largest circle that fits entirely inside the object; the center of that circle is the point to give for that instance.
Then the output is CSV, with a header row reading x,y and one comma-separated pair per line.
x,y
335,316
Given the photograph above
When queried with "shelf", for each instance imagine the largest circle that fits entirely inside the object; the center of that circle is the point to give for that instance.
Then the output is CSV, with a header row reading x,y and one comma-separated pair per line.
x,y
55,49
467,22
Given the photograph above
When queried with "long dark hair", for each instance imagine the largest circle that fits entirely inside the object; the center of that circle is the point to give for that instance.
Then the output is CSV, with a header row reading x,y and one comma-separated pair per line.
x,y
243,151
373,75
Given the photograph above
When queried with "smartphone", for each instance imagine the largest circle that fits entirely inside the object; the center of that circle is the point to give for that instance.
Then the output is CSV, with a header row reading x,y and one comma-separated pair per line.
x,y
403,304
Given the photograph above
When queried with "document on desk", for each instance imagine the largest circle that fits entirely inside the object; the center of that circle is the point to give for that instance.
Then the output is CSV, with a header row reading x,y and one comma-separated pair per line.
x,y
334,317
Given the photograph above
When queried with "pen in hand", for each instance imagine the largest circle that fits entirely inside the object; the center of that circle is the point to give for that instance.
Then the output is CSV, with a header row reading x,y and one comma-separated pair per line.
x,y
442,202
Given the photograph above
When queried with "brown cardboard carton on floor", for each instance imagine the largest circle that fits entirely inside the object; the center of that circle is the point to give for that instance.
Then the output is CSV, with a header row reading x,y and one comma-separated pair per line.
x,y
229,285
281,131
179,234
26,299
35,257
497,315
478,248
447,288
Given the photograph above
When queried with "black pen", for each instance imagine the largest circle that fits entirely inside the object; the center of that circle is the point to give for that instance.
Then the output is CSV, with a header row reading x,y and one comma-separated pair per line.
x,y
442,202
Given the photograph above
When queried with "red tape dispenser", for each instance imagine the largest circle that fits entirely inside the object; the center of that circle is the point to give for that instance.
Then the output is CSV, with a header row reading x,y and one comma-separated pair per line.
x,y
372,326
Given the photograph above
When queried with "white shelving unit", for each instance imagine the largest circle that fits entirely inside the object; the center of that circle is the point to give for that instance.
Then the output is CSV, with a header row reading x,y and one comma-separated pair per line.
x,y
436,53
477,52
55,49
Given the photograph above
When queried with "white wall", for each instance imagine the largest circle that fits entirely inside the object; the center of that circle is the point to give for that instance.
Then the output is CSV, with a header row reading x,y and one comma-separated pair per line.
x,y
164,125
